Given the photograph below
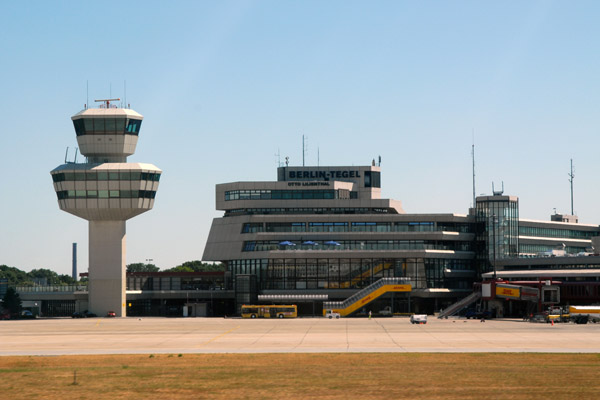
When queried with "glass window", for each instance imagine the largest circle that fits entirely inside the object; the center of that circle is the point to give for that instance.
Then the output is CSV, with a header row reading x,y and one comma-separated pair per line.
x,y
103,194
79,127
136,176
113,176
102,176
120,125
110,125
114,193
89,125
80,176
92,193
80,193
91,176
99,125
124,176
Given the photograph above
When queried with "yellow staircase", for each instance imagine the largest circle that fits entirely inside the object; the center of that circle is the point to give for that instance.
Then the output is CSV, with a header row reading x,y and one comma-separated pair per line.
x,y
367,295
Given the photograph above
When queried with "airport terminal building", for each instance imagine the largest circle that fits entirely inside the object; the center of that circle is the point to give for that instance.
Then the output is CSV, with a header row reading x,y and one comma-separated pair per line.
x,y
325,233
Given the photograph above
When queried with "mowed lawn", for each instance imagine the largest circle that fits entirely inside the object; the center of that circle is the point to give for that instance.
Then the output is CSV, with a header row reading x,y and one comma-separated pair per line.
x,y
297,376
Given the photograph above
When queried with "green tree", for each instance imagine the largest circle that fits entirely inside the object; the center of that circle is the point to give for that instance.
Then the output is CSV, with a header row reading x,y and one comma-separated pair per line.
x,y
197,266
12,301
15,276
141,267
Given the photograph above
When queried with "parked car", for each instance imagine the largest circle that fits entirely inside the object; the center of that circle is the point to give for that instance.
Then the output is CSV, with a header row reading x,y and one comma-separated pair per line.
x,y
478,314
111,314
85,314
26,314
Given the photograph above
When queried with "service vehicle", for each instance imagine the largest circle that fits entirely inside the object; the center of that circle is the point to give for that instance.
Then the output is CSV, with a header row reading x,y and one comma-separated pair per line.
x,y
331,314
583,314
418,319
386,311
270,311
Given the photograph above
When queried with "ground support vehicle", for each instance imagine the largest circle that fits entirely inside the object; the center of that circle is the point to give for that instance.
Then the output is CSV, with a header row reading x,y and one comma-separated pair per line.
x,y
418,319
583,314
270,311
331,314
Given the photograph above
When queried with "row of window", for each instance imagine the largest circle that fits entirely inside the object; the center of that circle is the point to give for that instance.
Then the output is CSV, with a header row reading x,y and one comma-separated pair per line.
x,y
269,245
107,126
541,248
313,273
284,194
105,194
336,210
354,227
556,233
106,176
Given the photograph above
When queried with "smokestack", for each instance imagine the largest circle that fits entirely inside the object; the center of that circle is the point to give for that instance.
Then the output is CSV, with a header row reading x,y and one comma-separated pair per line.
x,y
74,262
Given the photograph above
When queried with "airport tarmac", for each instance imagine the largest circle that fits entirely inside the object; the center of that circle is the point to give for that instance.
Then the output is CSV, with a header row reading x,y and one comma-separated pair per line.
x,y
65,336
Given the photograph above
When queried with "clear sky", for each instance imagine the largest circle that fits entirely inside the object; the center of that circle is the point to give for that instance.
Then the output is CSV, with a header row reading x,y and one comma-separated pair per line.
x,y
226,85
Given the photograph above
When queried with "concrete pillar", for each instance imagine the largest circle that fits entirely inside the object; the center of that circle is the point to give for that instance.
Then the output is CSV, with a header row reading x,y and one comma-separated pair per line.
x,y
107,267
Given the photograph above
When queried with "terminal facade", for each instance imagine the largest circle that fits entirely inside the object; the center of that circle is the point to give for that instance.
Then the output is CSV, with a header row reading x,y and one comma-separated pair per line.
x,y
326,231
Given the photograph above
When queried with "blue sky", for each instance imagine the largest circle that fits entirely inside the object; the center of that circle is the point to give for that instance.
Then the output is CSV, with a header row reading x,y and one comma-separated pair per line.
x,y
224,86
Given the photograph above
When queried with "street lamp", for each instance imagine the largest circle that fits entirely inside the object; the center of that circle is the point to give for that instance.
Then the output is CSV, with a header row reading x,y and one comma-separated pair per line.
x,y
494,222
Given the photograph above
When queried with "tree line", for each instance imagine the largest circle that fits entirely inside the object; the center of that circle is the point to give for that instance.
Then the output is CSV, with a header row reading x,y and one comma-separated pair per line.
x,y
16,277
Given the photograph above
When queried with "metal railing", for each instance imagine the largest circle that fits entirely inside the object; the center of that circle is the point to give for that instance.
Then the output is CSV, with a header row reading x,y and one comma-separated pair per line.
x,y
362,293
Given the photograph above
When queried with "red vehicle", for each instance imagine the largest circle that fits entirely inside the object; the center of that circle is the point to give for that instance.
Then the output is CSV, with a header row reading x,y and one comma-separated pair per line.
x,y
111,314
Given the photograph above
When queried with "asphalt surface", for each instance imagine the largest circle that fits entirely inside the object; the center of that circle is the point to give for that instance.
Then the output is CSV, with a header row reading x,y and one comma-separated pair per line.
x,y
303,335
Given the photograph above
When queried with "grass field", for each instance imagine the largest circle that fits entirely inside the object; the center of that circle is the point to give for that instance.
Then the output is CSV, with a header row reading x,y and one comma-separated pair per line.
x,y
282,376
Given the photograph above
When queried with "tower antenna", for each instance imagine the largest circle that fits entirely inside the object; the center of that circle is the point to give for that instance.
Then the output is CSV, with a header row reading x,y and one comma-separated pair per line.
x,y
571,177
473,159
303,150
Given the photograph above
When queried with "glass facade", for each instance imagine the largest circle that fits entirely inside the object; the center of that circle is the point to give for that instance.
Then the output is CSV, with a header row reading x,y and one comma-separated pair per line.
x,y
282,194
308,210
352,273
499,218
107,126
105,194
339,245
556,233
107,175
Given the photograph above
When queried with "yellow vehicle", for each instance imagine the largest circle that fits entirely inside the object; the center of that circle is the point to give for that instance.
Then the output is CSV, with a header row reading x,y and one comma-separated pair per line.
x,y
270,311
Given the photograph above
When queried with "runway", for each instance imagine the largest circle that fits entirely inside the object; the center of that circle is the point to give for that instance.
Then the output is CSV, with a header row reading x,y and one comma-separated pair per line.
x,y
303,335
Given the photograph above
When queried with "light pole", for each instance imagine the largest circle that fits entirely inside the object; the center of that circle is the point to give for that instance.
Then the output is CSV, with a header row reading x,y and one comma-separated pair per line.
x,y
494,221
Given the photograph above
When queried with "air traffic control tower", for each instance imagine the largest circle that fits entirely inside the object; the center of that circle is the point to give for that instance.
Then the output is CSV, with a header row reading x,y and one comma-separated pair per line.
x,y
106,190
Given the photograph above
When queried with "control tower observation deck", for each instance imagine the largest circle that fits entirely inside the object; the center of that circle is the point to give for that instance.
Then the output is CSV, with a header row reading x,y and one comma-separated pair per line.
x,y
106,190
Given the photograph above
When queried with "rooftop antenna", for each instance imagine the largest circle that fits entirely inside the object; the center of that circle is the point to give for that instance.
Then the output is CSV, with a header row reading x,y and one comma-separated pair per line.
x,y
379,161
571,177
303,150
66,154
500,192
75,161
473,159
287,161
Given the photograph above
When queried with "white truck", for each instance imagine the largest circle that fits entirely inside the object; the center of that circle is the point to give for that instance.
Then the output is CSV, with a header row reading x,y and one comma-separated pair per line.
x,y
331,314
418,319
